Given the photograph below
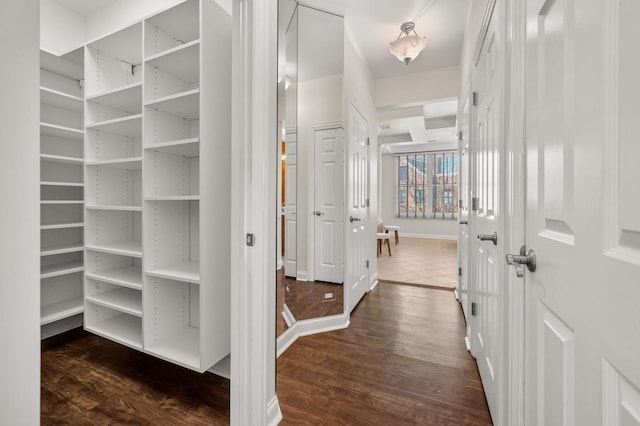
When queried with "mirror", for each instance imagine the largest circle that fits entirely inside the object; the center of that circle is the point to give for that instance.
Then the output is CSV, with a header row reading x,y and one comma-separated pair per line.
x,y
311,182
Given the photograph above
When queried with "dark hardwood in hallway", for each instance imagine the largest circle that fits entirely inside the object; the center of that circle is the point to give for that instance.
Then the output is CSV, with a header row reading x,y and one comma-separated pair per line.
x,y
401,361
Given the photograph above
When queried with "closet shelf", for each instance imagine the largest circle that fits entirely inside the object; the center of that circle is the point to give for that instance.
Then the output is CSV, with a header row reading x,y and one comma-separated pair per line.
x,y
123,299
62,249
181,61
68,67
62,226
71,184
60,269
123,248
62,310
124,126
123,328
61,159
130,276
173,198
60,131
60,99
184,147
125,98
132,163
60,202
114,208
186,272
182,348
183,104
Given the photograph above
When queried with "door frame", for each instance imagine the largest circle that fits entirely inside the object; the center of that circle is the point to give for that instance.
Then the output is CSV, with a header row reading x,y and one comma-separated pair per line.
x,y
311,191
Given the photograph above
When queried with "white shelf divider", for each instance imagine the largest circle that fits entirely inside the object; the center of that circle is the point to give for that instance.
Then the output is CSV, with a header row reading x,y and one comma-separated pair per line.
x,y
61,310
114,208
61,269
60,202
60,99
133,163
61,159
184,104
70,184
130,276
185,147
186,272
62,226
50,129
130,125
62,249
124,248
124,299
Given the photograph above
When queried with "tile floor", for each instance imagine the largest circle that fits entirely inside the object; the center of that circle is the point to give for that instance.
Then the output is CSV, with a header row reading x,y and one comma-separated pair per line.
x,y
420,261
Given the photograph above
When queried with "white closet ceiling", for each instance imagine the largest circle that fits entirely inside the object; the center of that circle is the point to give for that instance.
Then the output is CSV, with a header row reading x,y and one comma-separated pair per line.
x,y
84,7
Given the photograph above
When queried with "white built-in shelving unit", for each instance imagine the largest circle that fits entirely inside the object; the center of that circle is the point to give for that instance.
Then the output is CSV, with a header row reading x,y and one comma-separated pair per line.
x,y
61,191
157,185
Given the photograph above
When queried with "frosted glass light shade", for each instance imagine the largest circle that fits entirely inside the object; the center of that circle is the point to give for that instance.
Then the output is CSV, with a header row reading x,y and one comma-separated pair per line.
x,y
407,48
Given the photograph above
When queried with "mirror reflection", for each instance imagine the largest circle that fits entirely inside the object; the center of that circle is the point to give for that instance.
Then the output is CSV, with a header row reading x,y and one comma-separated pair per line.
x,y
311,182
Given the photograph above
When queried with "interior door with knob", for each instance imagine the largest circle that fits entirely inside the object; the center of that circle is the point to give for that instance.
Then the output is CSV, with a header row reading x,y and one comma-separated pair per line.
x,y
582,345
487,245
357,210
328,205
290,206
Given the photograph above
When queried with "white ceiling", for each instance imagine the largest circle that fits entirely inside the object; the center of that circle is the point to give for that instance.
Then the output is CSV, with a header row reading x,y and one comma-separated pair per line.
x,y
376,23
84,7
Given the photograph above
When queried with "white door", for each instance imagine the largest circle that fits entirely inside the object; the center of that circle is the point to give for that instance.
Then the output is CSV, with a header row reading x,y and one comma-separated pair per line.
x,y
357,210
463,210
488,292
582,327
328,205
290,190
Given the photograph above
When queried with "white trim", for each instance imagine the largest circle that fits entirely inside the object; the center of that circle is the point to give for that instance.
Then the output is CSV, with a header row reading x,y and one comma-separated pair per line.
x,y
253,180
311,326
373,280
302,275
274,415
429,236
311,190
279,265
455,292
467,343
287,315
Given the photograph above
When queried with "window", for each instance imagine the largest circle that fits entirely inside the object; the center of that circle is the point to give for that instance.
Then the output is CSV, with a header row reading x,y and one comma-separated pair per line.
x,y
428,185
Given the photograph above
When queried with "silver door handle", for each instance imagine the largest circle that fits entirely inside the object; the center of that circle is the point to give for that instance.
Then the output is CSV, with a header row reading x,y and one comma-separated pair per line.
x,y
489,237
318,213
354,219
526,257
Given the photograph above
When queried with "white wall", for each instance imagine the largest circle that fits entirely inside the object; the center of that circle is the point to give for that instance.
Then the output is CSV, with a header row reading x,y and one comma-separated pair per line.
x,y
61,30
441,83
319,102
426,228
360,85
20,214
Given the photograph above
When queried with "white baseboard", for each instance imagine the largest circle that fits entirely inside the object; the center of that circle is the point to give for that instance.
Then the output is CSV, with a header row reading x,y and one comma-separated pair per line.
x,y
274,415
222,368
279,265
455,292
373,281
311,326
302,276
289,319
467,343
430,236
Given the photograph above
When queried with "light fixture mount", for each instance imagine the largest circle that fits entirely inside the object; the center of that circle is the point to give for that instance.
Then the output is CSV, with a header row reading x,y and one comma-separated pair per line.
x,y
407,47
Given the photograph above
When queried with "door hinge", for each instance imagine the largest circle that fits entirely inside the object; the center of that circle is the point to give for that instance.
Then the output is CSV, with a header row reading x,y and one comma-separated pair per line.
x,y
474,203
366,202
459,203
367,263
460,136
459,272
474,309
251,240
475,98
368,141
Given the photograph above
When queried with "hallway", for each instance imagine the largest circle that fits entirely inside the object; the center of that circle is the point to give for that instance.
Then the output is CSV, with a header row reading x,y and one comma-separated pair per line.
x,y
401,361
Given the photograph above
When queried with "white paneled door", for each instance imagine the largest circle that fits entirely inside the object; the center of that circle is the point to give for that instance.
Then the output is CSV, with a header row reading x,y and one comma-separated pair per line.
x,y
290,202
328,205
582,328
357,210
487,241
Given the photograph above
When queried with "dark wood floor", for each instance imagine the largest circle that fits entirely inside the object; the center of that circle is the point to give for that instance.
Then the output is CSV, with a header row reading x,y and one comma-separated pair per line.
x,y
88,380
401,361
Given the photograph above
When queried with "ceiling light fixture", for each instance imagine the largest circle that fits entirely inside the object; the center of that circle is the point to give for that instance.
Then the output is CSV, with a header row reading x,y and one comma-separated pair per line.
x,y
407,48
